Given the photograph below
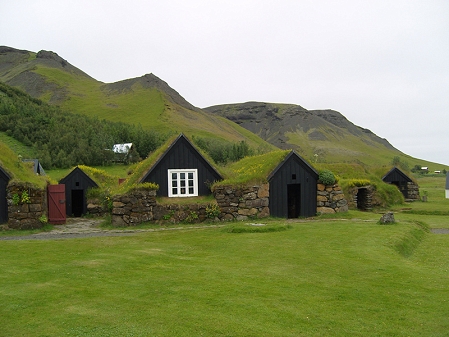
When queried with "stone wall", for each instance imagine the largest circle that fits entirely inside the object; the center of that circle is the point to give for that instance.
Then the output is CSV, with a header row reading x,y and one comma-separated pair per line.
x,y
26,205
141,206
234,203
243,203
253,201
330,199
412,191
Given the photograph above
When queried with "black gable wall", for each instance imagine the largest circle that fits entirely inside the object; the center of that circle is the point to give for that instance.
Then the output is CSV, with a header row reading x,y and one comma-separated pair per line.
x,y
76,185
294,171
396,176
182,155
4,179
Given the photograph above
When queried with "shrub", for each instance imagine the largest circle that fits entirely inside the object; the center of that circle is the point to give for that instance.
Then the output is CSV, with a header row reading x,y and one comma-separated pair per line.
x,y
212,211
358,182
327,177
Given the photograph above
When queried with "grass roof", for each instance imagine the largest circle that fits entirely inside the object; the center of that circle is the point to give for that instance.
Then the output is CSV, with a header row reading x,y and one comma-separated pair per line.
x,y
253,169
140,169
18,170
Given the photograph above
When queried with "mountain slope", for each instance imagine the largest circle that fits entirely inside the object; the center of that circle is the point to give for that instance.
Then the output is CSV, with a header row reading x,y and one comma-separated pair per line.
x,y
145,100
319,135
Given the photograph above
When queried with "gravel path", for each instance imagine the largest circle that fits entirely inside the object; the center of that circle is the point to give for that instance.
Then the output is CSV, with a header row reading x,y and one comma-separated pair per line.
x,y
85,228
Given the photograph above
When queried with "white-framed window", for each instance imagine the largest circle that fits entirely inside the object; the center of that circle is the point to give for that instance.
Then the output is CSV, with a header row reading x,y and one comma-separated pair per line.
x,y
183,183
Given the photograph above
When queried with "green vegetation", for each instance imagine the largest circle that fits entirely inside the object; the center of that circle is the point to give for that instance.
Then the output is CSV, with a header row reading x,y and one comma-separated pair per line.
x,y
222,151
327,177
252,170
61,139
151,107
18,170
315,278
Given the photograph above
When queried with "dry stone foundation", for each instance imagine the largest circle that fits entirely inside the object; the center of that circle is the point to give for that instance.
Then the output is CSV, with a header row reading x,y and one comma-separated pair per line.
x,y
241,203
26,206
141,206
412,192
234,203
330,199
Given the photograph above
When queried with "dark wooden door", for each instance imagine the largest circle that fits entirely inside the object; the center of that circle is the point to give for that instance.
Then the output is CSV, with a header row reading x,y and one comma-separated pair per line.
x,y
56,204
78,203
294,200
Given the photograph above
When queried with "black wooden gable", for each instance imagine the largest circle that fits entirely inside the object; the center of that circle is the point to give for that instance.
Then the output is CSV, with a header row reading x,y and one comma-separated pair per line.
x,y
182,154
4,180
396,176
76,184
293,188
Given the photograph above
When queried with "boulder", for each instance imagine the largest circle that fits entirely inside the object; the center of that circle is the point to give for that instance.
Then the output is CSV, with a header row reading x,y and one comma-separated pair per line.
x,y
387,218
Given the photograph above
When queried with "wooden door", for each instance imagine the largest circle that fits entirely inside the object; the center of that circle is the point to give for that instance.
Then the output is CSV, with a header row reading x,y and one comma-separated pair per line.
x,y
294,200
56,204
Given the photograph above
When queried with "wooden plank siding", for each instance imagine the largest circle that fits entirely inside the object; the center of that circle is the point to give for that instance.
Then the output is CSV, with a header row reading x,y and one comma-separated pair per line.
x,y
4,179
293,170
182,155
396,175
76,184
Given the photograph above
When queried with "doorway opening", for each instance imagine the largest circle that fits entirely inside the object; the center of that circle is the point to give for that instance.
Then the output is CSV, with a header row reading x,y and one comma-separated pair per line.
x,y
363,199
77,202
294,200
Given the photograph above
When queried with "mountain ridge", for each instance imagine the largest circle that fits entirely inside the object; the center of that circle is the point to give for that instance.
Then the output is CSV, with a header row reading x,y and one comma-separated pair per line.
x,y
319,135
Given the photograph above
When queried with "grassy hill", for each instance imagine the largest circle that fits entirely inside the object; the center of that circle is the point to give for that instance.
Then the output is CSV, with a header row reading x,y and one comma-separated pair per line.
x,y
147,101
320,136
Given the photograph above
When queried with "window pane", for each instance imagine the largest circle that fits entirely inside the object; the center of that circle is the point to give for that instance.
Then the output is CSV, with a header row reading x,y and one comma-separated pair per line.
x,y
190,175
183,191
183,183
174,183
174,176
174,191
182,175
190,190
190,183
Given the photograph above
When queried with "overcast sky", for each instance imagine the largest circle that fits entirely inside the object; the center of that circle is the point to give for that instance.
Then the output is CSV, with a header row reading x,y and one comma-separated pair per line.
x,y
383,64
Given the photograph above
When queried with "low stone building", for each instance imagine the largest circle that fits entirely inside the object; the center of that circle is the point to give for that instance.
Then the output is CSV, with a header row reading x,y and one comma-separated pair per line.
x,y
405,184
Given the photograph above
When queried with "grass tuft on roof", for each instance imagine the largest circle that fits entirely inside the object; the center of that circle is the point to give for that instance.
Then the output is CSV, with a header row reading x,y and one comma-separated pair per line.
x,y
18,170
253,169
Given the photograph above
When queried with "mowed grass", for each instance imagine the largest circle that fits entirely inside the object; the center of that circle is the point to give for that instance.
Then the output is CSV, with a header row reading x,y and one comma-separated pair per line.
x,y
341,277
435,211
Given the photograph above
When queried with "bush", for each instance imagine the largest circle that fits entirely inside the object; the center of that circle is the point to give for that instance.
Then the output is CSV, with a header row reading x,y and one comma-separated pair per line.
x,y
327,177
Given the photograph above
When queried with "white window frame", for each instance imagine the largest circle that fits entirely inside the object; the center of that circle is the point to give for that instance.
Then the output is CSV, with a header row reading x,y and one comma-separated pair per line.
x,y
178,185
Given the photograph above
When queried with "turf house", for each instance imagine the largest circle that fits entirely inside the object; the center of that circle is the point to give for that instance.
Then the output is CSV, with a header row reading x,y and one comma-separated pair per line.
x,y
293,188
404,183
280,184
76,184
37,167
182,171
4,179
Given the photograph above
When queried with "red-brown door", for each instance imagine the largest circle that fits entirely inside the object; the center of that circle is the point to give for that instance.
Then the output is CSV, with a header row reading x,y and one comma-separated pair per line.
x,y
56,204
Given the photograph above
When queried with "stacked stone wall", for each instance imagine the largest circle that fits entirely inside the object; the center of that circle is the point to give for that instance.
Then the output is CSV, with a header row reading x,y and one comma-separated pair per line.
x,y
26,206
412,191
141,206
330,199
234,203
241,203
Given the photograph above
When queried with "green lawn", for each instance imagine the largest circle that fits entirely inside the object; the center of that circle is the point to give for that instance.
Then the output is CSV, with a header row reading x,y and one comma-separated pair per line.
x,y
329,276
318,278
